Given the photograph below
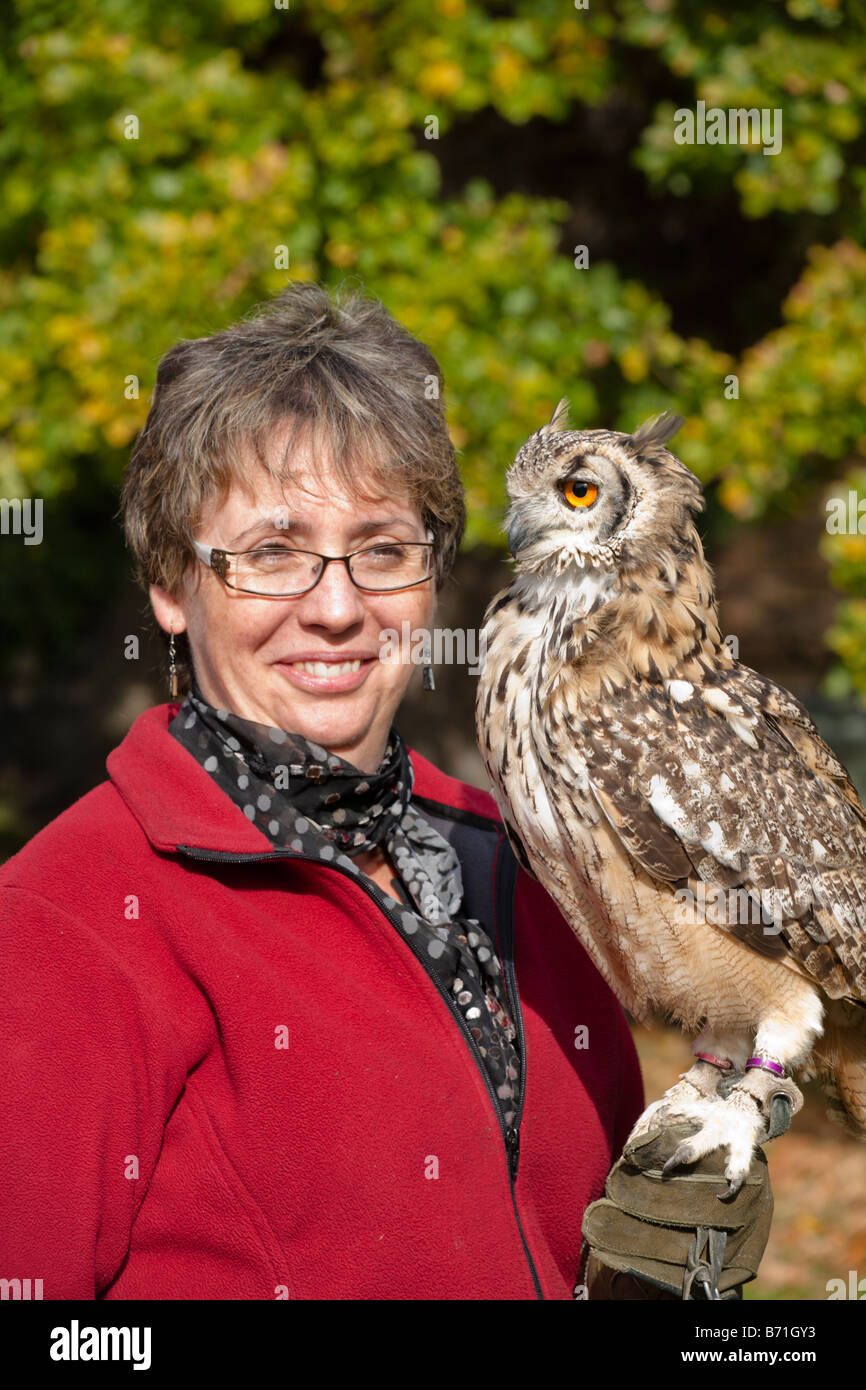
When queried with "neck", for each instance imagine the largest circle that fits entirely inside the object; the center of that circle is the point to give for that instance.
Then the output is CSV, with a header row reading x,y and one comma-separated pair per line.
x,y
653,618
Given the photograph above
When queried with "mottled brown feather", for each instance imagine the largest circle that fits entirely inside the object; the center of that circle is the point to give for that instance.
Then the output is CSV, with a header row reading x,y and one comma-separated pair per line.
x,y
637,763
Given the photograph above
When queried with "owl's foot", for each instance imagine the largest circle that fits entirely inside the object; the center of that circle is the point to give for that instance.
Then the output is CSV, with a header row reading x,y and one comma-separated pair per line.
x,y
686,1100
777,1098
758,1107
764,1087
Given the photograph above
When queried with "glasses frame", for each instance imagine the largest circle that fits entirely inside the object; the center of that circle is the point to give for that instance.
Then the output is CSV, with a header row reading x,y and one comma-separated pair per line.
x,y
217,560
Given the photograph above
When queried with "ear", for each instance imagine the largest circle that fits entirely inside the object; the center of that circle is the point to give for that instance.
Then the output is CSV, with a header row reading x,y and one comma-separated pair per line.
x,y
167,610
559,417
657,430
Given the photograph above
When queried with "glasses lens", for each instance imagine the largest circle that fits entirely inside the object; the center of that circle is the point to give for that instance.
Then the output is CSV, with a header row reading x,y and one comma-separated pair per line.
x,y
385,567
275,569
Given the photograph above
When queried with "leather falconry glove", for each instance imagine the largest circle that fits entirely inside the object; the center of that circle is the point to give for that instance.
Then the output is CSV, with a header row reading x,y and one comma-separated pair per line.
x,y
655,1237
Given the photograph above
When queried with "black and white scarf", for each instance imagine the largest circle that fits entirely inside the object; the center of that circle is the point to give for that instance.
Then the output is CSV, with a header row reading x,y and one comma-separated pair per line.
x,y
304,798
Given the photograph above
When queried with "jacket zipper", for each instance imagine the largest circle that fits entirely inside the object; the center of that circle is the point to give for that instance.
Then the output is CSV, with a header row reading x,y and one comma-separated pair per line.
x,y
511,1133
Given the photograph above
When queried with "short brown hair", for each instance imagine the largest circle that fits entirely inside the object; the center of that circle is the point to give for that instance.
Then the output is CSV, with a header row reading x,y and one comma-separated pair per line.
x,y
342,369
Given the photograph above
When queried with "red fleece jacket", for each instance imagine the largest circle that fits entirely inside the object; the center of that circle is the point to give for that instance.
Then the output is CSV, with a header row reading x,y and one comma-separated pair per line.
x,y
236,1081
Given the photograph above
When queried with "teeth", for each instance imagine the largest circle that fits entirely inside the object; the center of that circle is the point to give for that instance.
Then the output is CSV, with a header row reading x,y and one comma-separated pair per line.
x,y
328,668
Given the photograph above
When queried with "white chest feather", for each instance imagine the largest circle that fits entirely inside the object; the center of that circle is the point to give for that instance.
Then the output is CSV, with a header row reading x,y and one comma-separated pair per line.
x,y
511,734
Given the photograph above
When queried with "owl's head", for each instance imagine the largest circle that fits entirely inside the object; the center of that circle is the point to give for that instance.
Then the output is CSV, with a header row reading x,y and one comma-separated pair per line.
x,y
599,496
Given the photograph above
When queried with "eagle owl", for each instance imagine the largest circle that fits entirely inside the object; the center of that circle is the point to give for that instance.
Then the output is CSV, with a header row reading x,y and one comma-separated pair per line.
x,y
703,841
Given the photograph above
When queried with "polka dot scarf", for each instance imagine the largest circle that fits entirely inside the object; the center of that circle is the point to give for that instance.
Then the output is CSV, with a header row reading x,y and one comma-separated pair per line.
x,y
304,798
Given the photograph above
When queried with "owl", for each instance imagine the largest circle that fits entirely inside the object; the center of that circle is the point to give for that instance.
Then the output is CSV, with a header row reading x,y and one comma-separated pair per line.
x,y
695,830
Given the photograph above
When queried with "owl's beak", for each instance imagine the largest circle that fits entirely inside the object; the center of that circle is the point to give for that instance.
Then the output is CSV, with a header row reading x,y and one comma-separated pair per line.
x,y
517,536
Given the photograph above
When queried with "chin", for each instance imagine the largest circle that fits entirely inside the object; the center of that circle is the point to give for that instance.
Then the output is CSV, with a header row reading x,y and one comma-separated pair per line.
x,y
331,728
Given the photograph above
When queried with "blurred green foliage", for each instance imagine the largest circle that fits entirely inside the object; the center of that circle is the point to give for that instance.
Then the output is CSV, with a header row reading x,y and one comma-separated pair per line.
x,y
255,127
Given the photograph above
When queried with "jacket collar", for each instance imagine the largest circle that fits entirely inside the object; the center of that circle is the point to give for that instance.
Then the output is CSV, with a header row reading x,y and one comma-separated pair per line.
x,y
176,803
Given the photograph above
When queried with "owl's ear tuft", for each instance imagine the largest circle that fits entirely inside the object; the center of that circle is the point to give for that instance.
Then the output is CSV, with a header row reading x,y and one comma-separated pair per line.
x,y
657,430
560,416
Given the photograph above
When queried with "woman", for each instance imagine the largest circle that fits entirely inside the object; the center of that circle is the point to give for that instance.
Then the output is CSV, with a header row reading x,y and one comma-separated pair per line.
x,y
288,1022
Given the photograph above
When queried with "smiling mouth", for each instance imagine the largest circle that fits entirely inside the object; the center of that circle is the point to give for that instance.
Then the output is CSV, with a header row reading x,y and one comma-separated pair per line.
x,y
326,668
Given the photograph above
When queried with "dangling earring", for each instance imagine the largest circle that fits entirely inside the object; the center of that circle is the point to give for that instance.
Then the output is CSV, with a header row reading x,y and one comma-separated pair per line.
x,y
427,681
172,670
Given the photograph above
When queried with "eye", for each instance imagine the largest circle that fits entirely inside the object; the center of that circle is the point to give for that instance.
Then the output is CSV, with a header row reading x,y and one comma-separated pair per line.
x,y
268,556
579,493
386,554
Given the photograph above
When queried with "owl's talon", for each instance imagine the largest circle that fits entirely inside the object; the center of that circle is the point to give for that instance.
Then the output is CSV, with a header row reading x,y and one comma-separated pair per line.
x,y
683,1153
780,1116
734,1185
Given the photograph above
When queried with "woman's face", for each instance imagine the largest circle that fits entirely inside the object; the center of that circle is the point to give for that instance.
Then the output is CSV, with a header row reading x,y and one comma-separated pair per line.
x,y
248,651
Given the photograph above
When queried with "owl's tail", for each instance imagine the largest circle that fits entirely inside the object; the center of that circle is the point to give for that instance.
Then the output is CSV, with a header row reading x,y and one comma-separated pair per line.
x,y
845,1093
843,1067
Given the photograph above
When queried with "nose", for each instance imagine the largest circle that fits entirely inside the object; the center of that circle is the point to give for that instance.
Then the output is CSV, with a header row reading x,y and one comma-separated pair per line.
x,y
334,603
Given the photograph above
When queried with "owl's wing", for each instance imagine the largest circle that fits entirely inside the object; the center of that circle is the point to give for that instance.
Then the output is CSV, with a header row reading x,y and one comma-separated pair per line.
x,y
791,718
514,838
729,782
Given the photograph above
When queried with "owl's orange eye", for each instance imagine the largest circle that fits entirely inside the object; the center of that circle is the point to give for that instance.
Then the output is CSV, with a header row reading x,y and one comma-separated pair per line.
x,y
579,493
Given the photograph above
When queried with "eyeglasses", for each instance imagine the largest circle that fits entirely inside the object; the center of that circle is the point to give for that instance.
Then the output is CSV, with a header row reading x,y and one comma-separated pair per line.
x,y
278,571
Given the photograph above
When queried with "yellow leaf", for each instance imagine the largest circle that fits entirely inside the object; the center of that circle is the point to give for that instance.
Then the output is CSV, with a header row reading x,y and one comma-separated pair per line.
x,y
440,79
120,431
340,253
734,496
89,347
508,69
633,363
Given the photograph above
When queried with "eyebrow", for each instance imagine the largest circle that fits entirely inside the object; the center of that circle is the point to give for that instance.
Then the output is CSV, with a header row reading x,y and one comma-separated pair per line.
x,y
295,526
